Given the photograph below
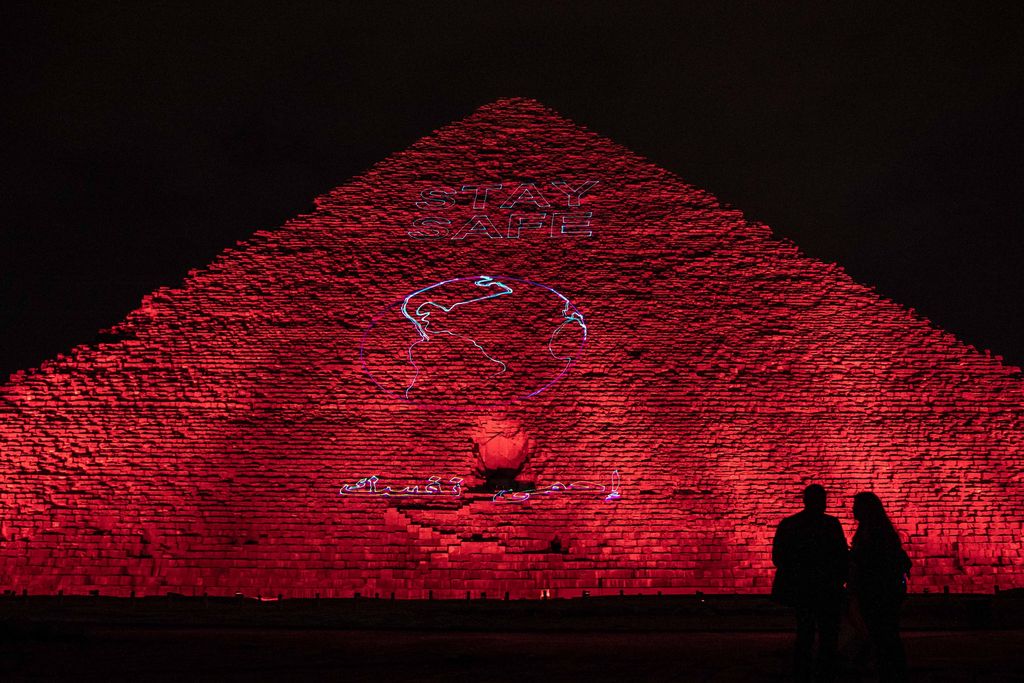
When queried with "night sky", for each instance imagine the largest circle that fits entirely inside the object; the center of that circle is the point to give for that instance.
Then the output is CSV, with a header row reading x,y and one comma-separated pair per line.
x,y
141,142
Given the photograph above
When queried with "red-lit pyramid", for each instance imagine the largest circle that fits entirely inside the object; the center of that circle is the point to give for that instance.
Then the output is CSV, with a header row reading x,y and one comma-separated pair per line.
x,y
515,357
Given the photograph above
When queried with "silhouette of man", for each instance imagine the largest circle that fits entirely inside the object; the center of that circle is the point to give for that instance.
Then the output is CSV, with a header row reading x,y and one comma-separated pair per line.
x,y
811,555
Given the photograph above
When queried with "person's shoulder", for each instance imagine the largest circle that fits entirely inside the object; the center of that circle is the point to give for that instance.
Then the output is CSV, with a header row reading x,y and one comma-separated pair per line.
x,y
833,522
784,529
789,521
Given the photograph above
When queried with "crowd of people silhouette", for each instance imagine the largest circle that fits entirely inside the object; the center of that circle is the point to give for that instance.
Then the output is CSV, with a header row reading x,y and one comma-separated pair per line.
x,y
814,564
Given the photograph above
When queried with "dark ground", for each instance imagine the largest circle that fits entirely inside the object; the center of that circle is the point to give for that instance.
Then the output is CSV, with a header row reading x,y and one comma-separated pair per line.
x,y
108,654
649,638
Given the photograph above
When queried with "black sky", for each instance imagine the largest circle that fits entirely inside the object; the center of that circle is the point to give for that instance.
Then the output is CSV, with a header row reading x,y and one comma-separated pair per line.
x,y
140,141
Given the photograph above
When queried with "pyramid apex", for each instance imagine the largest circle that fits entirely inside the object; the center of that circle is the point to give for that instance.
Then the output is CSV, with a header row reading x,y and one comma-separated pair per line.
x,y
519,102
519,105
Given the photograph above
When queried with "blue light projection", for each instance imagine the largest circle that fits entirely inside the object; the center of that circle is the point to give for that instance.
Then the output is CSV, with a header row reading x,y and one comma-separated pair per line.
x,y
462,309
368,486
513,496
421,322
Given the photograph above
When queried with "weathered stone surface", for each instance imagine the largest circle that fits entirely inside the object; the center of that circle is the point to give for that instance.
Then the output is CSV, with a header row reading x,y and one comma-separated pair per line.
x,y
204,448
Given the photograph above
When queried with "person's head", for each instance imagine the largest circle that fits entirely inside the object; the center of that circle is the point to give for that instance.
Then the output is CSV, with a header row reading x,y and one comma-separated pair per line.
x,y
868,509
871,518
814,498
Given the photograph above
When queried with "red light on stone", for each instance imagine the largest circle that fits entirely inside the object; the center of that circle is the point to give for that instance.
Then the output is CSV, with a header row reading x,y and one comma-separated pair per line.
x,y
723,371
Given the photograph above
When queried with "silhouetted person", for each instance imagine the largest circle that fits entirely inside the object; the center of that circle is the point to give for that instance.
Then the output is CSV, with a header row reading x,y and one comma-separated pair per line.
x,y
878,569
812,558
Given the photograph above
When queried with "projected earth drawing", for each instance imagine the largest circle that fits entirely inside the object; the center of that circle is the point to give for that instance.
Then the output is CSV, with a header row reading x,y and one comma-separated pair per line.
x,y
473,341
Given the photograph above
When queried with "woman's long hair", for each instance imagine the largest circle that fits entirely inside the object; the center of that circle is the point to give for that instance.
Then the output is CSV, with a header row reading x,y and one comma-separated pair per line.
x,y
872,521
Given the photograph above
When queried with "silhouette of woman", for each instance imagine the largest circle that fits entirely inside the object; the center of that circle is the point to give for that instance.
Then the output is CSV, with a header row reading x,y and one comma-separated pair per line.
x,y
878,584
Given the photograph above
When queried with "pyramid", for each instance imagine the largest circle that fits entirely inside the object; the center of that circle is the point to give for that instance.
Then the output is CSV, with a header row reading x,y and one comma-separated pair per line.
x,y
514,358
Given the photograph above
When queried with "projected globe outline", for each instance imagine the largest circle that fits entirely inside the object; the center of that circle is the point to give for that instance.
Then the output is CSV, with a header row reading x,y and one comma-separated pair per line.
x,y
473,341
